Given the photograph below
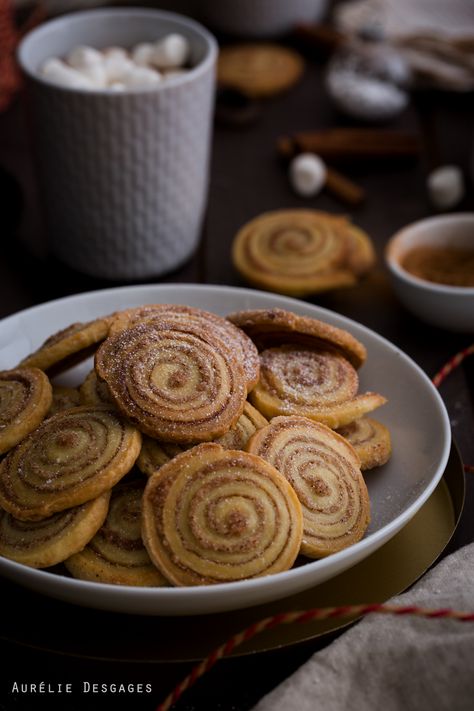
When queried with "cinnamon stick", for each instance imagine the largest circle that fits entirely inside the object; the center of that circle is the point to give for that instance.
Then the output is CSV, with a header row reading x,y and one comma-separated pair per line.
x,y
352,144
322,39
343,188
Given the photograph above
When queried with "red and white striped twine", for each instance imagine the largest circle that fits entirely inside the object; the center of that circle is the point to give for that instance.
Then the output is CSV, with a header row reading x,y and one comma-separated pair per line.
x,y
446,370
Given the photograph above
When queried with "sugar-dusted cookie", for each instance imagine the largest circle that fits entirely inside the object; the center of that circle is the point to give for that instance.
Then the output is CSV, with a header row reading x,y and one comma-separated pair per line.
x,y
41,544
154,453
275,327
259,69
300,252
212,515
238,342
71,458
94,391
323,469
116,554
370,439
249,422
69,346
319,384
177,382
25,398
64,398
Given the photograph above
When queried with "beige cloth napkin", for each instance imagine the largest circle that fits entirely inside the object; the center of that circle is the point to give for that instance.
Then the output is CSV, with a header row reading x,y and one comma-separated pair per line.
x,y
389,663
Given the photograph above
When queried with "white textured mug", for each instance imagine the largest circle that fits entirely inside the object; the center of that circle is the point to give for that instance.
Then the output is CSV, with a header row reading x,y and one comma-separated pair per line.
x,y
123,176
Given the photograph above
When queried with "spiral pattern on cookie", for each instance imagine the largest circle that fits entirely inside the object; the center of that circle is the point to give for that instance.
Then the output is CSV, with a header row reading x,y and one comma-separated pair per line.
x,y
213,515
178,383
64,398
44,543
69,346
370,439
154,453
248,423
71,458
25,398
294,252
235,339
320,384
276,327
94,391
324,471
116,554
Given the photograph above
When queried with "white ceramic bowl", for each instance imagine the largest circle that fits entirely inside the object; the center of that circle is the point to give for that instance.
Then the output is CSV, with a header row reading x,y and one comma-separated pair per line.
x,y
415,415
449,307
259,18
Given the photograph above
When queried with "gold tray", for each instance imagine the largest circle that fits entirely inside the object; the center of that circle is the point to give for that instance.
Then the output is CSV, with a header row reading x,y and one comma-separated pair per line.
x,y
126,638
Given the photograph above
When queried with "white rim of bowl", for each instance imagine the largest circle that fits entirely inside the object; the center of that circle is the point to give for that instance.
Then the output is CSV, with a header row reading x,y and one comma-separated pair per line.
x,y
100,591
185,22
394,265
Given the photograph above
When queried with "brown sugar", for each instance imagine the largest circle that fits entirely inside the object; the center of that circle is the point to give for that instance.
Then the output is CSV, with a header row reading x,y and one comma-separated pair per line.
x,y
444,265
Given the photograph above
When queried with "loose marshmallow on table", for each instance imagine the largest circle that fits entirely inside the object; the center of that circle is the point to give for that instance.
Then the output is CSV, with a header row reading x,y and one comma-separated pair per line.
x,y
307,174
446,186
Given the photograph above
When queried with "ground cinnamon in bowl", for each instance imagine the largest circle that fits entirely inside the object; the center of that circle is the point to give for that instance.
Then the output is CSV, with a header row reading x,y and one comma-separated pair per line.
x,y
452,266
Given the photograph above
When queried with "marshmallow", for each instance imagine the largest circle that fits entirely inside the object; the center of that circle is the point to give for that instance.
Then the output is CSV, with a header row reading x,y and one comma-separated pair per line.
x,y
307,174
117,66
82,57
446,186
142,54
117,52
117,86
142,78
96,73
116,69
171,51
60,73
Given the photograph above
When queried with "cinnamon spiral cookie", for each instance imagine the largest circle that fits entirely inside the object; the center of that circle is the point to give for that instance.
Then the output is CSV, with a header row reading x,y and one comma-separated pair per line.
x,y
69,346
318,384
25,398
300,252
94,391
259,69
249,422
63,399
154,454
370,439
116,554
324,471
71,458
41,544
275,327
177,382
212,516
234,338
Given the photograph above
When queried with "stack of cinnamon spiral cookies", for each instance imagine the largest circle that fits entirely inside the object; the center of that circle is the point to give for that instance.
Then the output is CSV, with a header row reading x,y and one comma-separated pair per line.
x,y
199,449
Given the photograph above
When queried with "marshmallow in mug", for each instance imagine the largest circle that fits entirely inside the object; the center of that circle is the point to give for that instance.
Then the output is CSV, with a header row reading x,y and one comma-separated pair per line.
x,y
145,66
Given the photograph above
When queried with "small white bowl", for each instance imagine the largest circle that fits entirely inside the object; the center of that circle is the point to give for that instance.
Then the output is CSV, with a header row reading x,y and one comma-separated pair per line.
x,y
259,18
449,307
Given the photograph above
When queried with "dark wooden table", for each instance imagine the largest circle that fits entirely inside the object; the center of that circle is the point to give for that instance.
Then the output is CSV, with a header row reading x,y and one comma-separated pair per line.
x,y
247,178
